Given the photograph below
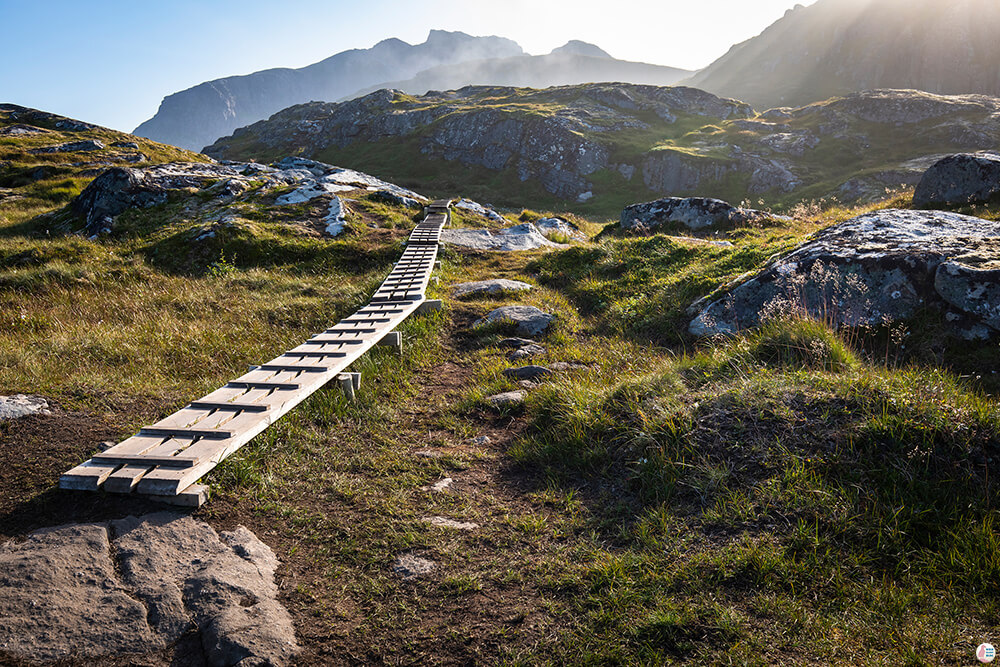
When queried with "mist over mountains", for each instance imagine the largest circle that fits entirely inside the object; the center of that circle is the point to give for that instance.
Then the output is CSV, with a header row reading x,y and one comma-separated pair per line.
x,y
836,47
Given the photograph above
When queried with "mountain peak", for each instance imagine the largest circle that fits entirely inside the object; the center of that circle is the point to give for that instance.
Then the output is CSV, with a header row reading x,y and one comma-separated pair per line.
x,y
578,48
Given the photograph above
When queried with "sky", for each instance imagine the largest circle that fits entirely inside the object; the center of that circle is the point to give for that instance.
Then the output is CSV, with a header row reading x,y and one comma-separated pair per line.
x,y
111,62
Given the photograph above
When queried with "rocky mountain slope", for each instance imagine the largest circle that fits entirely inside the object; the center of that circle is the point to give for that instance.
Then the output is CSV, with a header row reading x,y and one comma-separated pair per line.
x,y
835,47
574,63
602,146
196,117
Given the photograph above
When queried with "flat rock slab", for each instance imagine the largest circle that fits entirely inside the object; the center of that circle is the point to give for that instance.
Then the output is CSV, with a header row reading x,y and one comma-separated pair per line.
x,y
409,566
507,399
512,239
527,372
486,287
138,585
21,405
527,320
444,522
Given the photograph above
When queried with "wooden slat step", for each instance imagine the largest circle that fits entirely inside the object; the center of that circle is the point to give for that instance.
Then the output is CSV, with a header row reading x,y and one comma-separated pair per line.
x,y
294,368
312,354
225,405
347,330
151,461
244,384
212,433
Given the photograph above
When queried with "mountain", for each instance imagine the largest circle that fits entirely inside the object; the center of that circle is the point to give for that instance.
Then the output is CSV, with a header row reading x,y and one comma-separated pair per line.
x,y
574,63
835,47
198,116
598,147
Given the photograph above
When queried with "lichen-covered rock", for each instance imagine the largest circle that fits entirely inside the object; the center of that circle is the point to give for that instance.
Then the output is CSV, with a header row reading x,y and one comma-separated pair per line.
x,y
876,268
519,237
527,320
73,147
692,212
20,405
965,178
494,286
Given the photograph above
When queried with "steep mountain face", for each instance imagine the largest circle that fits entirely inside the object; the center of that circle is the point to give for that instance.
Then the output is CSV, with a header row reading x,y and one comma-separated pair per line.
x,y
835,47
601,146
574,63
196,117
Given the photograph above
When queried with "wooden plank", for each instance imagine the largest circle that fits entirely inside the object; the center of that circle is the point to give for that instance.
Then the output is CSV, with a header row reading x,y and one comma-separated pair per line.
x,y
212,433
284,386
147,460
295,368
226,405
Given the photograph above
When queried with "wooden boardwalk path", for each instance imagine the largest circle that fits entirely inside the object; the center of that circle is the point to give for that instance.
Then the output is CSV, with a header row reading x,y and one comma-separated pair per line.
x,y
165,460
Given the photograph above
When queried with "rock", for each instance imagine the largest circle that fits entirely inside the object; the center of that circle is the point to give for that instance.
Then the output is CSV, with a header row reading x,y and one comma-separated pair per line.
x,y
428,454
60,595
526,384
527,373
966,178
564,366
441,486
393,198
551,226
881,266
336,217
140,585
444,522
310,190
526,352
72,147
409,566
692,212
481,440
516,342
21,405
495,286
126,144
21,131
480,210
527,320
508,399
521,237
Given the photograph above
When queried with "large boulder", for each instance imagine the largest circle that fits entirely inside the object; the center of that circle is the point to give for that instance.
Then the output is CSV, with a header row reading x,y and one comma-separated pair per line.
x,y
965,178
876,268
692,212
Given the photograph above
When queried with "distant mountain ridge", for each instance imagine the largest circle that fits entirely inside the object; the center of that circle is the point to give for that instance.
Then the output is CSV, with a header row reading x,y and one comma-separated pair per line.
x,y
836,47
196,117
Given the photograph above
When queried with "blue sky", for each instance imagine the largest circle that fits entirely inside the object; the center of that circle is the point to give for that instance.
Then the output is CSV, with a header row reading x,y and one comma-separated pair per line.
x,y
112,61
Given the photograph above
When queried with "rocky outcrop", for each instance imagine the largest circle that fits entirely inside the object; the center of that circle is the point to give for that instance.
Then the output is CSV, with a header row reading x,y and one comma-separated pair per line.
x,y
196,117
73,147
526,320
512,239
489,287
692,212
140,585
874,269
20,405
120,189
960,180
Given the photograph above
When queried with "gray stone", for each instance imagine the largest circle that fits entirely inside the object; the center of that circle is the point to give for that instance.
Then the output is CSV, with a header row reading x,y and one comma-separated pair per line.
x,y
966,178
72,147
481,440
126,144
692,212
393,198
440,486
551,226
409,566
564,366
141,585
527,320
444,522
21,405
495,286
60,594
480,210
526,352
516,342
878,267
520,237
507,399
527,372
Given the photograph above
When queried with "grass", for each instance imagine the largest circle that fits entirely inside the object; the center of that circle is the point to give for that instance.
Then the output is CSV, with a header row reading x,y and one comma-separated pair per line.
x,y
792,494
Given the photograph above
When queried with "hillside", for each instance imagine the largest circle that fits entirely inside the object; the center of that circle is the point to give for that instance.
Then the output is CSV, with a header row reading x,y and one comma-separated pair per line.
x,y
781,495
836,47
196,117
597,147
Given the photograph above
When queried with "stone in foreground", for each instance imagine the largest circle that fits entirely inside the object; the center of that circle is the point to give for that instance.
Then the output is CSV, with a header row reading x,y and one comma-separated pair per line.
x,y
527,320
512,239
409,566
507,399
21,405
692,212
527,372
875,268
444,522
488,287
140,585
965,178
